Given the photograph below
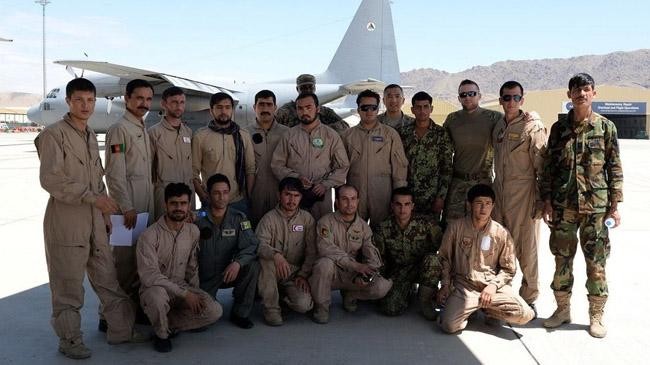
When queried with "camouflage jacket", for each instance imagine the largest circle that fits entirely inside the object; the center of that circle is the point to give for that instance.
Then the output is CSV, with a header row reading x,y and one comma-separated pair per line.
x,y
582,165
430,163
288,116
400,248
404,121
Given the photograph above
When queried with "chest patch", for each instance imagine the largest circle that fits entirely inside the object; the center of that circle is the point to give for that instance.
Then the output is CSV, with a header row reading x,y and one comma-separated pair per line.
x,y
297,228
377,138
228,233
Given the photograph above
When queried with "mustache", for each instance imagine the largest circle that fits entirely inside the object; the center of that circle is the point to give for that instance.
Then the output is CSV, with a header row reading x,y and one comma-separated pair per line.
x,y
265,113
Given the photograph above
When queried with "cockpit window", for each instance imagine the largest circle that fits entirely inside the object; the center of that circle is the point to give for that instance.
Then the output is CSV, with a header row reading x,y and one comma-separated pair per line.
x,y
52,94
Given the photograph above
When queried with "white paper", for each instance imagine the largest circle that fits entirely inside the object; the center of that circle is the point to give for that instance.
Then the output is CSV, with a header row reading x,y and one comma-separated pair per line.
x,y
485,243
121,236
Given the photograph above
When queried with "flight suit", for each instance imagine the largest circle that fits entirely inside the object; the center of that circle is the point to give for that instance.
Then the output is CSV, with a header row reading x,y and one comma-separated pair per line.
x,y
171,149
221,243
472,259
287,115
518,160
265,192
129,181
168,269
340,245
75,236
295,238
471,135
377,166
403,121
318,155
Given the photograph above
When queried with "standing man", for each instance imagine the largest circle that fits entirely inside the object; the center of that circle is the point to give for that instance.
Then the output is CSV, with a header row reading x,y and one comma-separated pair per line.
x,y
222,147
470,130
313,153
409,246
227,252
429,152
169,271
348,259
75,225
288,113
377,161
266,134
287,253
128,175
393,101
582,185
518,158
478,263
171,148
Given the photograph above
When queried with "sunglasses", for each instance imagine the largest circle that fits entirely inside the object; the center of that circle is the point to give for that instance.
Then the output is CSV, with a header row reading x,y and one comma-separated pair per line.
x,y
368,107
471,94
516,98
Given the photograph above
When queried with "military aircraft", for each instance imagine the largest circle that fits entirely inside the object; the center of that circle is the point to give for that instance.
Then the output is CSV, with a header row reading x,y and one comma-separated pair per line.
x,y
366,58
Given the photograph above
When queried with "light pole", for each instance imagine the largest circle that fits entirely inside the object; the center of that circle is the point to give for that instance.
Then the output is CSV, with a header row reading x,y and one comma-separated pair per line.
x,y
43,3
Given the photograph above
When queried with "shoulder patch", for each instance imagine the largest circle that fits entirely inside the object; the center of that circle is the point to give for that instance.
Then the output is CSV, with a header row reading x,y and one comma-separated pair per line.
x,y
324,232
118,148
245,225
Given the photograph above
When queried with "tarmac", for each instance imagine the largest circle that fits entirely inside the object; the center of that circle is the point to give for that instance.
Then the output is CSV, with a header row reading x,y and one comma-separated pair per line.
x,y
365,337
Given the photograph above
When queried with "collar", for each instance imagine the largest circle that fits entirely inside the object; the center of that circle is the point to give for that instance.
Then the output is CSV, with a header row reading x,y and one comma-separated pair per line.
x,y
133,119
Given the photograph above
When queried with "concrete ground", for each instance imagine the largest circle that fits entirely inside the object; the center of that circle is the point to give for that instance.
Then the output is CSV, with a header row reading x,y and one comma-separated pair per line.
x,y
363,337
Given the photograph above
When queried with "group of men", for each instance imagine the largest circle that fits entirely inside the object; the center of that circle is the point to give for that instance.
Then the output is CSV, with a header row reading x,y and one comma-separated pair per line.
x,y
443,227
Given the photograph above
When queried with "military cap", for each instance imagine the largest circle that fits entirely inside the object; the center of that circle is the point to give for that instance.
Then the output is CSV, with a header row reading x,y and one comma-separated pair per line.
x,y
305,79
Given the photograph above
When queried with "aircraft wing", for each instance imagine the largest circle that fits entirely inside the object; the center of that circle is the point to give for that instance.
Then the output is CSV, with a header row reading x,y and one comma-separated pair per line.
x,y
358,86
130,73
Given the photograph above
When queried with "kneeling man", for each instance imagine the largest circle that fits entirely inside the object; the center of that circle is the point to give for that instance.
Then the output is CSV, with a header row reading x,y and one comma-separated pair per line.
x,y
478,260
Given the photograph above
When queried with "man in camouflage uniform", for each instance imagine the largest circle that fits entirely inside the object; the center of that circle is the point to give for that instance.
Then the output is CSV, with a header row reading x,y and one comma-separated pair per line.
x,y
429,152
393,101
470,130
582,185
288,116
408,245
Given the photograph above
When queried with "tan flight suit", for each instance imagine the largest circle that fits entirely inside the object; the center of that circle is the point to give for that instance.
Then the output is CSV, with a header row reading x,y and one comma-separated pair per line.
x,y
171,149
214,152
468,266
318,155
340,245
75,233
265,191
377,166
295,238
168,268
128,176
518,161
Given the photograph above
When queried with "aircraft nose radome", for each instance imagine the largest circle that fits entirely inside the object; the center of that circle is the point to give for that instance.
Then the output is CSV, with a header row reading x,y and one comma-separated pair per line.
x,y
34,114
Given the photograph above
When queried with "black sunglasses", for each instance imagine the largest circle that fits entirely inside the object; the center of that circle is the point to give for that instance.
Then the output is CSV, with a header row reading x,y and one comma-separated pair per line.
x,y
368,107
517,98
471,94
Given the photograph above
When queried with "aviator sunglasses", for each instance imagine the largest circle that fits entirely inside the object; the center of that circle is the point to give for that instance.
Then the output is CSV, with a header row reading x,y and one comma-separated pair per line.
x,y
517,98
471,94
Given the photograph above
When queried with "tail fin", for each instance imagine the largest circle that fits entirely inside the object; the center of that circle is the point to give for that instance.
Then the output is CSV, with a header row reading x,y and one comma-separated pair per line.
x,y
368,49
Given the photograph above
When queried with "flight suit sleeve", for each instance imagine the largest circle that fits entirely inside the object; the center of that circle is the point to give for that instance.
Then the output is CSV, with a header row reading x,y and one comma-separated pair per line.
x,y
192,268
249,153
327,247
507,264
53,176
538,139
613,165
247,242
446,165
398,162
446,255
311,253
197,156
280,158
116,144
369,252
339,164
264,233
149,267
154,156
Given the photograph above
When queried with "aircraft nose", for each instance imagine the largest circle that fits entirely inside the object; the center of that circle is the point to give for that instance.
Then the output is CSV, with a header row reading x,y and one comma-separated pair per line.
x,y
34,114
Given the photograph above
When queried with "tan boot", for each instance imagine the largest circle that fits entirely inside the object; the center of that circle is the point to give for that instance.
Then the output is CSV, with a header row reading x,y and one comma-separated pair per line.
x,y
74,349
349,303
596,308
425,297
273,318
562,314
321,315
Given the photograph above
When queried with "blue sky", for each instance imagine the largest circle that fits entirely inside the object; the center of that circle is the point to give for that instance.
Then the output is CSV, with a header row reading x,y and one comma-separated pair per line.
x,y
221,41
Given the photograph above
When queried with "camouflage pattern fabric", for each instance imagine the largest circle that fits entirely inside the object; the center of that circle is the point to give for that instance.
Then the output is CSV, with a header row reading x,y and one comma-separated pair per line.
x,y
287,115
404,121
455,205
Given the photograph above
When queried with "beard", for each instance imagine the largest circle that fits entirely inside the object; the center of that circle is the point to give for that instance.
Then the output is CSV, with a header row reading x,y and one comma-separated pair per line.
x,y
306,120
177,216
223,120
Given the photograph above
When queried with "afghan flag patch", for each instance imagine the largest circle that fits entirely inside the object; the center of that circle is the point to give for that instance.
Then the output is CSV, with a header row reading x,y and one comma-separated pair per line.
x,y
118,148
245,225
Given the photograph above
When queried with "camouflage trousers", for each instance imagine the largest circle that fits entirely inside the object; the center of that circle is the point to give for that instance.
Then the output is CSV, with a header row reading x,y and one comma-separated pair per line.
x,y
594,240
456,202
426,273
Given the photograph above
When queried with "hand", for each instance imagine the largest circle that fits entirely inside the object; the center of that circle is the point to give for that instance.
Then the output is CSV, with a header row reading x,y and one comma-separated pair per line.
x,y
306,183
282,268
616,215
108,224
231,272
106,204
191,217
194,302
437,205
539,209
364,269
302,284
443,295
358,281
486,295
547,213
319,189
130,217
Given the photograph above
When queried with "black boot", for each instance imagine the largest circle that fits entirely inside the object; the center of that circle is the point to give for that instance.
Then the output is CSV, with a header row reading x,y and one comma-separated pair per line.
x,y
162,344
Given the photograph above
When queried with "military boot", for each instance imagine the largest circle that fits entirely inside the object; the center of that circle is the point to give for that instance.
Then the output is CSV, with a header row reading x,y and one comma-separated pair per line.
x,y
74,349
273,318
425,297
349,303
321,315
562,314
596,308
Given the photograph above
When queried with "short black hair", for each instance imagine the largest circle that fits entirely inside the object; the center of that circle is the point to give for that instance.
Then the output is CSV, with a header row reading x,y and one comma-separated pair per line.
x,y
79,84
368,94
468,82
172,91
393,86
136,84
217,178
215,98
308,95
480,190
345,186
421,95
580,80
511,85
263,94
177,190
291,184
403,191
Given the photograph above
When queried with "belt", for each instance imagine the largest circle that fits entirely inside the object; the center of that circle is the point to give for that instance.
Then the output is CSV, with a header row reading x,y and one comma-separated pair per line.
x,y
477,176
